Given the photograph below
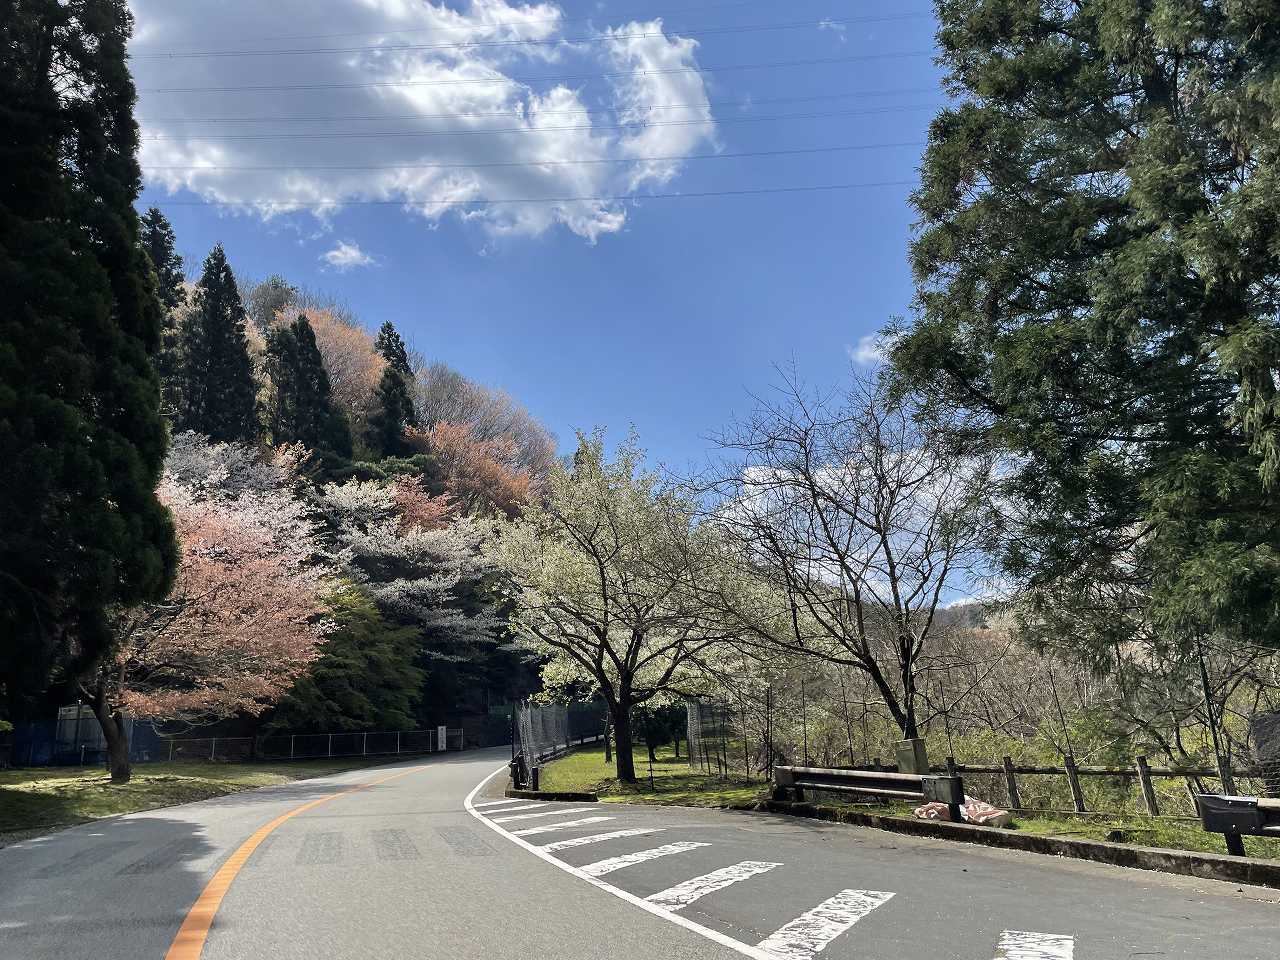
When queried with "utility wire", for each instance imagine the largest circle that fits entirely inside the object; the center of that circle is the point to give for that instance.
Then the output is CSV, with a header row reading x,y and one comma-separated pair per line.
x,y
536,41
400,134
817,61
634,11
799,151
768,101
619,198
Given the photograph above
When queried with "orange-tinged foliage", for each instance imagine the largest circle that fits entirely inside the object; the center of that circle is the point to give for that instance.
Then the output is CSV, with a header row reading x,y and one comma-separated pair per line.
x,y
480,474
353,365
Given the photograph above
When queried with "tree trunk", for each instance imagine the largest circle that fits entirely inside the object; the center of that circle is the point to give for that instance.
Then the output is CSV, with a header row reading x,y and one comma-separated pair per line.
x,y
113,731
608,748
676,741
653,757
623,742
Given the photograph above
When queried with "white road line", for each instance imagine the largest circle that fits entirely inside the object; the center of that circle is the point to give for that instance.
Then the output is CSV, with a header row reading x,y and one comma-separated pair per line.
x,y
683,894
547,828
737,946
1025,945
544,813
597,837
811,932
511,809
601,867
495,803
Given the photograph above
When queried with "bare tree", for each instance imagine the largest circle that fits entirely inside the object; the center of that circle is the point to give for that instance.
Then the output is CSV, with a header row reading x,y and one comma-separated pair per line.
x,y
850,530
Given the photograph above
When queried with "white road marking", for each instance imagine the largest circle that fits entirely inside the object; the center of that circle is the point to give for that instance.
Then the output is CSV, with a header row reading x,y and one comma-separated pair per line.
x,y
810,933
1025,945
547,828
494,803
597,837
683,894
601,867
737,946
510,809
544,813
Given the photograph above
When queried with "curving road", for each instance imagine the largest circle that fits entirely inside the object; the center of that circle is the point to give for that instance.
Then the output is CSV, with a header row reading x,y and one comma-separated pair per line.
x,y
427,860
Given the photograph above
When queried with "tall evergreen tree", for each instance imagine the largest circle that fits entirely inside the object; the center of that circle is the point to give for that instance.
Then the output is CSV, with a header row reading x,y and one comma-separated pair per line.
x,y
1099,282
218,395
391,346
394,409
81,439
158,242
300,409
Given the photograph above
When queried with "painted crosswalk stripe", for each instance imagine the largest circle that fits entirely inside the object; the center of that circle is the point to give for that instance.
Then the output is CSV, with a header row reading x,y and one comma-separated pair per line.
x,y
544,813
548,827
811,932
601,867
598,837
1025,945
683,894
494,803
518,806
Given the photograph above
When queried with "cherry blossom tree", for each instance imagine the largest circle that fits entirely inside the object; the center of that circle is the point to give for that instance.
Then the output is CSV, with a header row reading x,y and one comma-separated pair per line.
x,y
246,613
482,475
418,561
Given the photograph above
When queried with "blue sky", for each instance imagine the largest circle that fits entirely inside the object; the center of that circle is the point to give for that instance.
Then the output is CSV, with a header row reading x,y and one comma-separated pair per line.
x,y
665,313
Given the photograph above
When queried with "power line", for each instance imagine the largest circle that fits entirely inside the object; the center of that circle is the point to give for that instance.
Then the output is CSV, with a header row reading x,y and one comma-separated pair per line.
x,y
799,151
620,198
536,41
817,61
400,134
512,23
768,101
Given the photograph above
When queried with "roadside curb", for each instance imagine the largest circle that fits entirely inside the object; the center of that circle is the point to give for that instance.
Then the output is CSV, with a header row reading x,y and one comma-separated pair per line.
x,y
567,796
1206,866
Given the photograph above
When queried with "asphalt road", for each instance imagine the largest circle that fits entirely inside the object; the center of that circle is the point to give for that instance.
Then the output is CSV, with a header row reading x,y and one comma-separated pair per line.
x,y
412,868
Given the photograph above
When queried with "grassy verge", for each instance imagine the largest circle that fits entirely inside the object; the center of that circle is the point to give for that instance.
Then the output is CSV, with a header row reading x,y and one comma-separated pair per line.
x,y
674,782
37,800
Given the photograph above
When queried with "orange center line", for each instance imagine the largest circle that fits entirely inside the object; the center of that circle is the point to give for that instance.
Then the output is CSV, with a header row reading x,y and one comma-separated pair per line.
x,y
189,941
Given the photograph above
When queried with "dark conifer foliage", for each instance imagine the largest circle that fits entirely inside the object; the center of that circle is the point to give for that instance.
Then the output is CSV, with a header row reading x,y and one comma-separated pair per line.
x,y
158,242
393,413
81,439
218,394
395,409
300,408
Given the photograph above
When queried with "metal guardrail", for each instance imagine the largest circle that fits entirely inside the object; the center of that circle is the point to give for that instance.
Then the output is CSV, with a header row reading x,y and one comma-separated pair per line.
x,y
1235,817
873,783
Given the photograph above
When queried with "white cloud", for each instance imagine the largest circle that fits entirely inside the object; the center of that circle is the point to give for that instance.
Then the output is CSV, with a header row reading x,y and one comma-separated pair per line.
x,y
459,123
869,352
346,255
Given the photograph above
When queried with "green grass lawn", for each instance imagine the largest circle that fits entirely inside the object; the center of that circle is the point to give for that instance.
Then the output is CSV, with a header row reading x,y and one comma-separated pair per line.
x,y
39,799
674,782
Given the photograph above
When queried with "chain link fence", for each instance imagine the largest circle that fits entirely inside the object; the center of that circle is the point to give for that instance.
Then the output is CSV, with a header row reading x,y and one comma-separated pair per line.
x,y
544,732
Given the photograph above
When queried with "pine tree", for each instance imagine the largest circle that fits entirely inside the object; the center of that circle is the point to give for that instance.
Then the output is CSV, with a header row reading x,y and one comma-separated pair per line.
x,y
300,408
392,413
1098,292
391,346
218,395
158,242
81,439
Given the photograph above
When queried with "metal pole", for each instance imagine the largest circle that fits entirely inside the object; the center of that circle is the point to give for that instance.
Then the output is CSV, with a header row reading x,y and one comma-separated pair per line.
x,y
364,744
79,745
213,748
397,742
331,744
804,720
291,739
